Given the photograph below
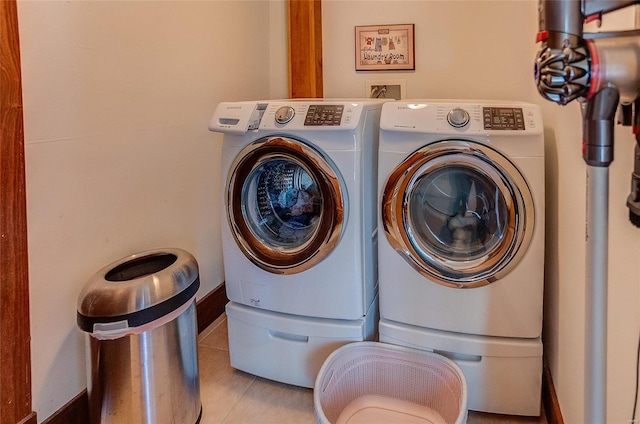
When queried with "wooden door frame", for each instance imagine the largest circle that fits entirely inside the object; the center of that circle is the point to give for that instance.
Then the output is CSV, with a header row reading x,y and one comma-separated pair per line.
x,y
305,48
15,341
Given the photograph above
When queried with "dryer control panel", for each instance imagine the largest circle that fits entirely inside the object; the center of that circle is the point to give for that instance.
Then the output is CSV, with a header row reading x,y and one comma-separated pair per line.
x,y
462,117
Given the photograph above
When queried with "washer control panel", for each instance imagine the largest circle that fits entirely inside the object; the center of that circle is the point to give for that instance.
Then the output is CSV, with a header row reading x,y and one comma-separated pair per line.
x,y
324,115
458,117
291,114
503,118
284,114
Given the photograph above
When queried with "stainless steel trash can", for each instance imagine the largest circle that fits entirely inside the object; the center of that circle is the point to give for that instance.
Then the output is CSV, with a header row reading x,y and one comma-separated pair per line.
x,y
142,360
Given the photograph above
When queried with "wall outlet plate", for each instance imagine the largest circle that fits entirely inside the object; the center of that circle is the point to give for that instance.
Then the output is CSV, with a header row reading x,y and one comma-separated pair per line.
x,y
389,89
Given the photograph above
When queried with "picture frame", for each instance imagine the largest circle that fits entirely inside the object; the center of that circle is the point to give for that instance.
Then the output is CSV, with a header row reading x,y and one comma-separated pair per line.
x,y
385,47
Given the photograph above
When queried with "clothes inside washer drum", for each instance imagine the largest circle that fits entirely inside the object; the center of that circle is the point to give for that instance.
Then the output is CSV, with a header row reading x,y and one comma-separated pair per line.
x,y
288,202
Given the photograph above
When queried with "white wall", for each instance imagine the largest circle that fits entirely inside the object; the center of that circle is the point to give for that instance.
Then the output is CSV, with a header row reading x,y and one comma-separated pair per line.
x,y
117,99
486,49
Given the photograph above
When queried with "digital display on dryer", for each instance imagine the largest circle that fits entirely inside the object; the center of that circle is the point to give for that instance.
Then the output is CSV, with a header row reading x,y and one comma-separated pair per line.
x,y
503,118
324,115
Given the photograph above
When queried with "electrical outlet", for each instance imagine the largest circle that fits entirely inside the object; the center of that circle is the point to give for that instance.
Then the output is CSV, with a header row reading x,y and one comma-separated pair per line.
x,y
389,89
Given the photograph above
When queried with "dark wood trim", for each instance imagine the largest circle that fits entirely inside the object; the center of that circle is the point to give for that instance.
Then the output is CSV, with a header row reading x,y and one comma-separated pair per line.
x,y
305,48
76,411
30,419
549,397
211,306
15,349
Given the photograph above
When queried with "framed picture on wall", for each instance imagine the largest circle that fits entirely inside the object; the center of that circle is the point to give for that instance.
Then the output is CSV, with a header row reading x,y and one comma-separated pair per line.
x,y
385,48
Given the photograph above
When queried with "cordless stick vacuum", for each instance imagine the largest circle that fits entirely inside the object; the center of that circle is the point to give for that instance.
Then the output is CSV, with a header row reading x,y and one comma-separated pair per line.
x,y
601,71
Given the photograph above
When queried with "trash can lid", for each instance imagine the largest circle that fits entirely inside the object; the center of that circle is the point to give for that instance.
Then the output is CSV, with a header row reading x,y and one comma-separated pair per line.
x,y
139,288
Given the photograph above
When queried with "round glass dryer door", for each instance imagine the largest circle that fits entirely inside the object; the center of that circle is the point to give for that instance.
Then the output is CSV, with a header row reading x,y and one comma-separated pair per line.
x,y
285,204
459,212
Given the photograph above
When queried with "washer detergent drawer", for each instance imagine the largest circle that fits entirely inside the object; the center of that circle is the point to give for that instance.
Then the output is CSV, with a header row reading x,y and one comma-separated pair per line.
x,y
288,348
504,375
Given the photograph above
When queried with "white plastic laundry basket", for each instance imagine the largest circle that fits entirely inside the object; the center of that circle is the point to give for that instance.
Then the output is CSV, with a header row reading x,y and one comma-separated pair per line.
x,y
371,382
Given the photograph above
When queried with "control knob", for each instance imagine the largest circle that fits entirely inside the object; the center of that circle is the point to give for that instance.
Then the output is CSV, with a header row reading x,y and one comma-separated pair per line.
x,y
284,114
458,117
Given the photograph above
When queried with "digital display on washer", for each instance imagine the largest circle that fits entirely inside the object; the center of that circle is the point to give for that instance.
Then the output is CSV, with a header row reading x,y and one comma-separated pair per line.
x,y
324,115
503,118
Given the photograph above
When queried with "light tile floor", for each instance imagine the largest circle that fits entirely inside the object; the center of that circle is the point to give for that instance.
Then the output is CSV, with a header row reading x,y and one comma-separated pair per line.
x,y
230,396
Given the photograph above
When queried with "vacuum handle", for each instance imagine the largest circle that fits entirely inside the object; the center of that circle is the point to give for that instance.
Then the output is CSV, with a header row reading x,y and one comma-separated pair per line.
x,y
597,142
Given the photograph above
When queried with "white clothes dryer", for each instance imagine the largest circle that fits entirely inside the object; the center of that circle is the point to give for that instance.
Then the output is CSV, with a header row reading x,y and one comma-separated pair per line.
x,y
461,190
299,230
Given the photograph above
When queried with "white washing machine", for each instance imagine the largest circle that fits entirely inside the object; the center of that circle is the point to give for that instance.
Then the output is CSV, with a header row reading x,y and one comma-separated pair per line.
x,y
461,190
300,231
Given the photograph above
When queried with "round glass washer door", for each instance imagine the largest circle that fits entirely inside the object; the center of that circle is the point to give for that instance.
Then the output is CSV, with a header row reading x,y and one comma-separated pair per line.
x,y
459,212
285,204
